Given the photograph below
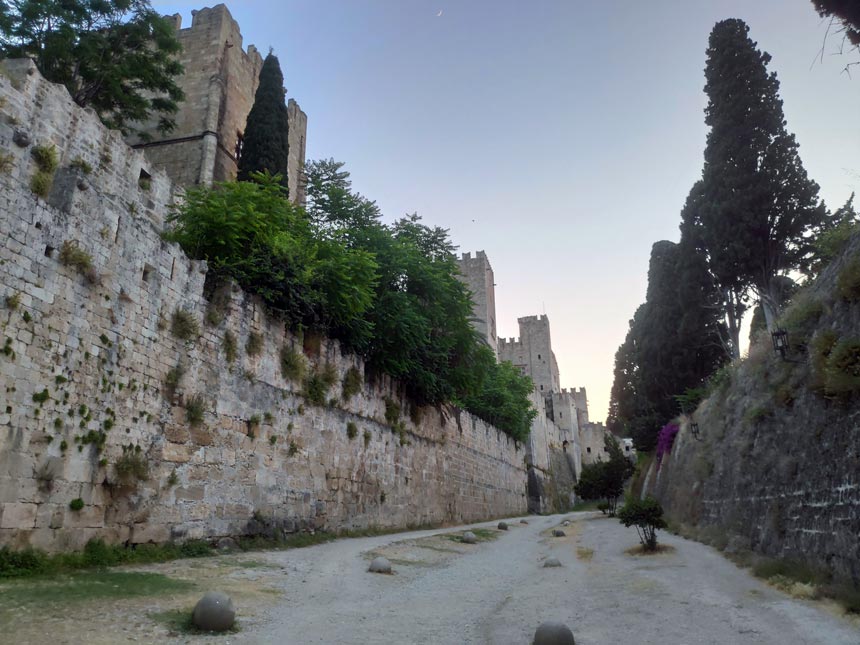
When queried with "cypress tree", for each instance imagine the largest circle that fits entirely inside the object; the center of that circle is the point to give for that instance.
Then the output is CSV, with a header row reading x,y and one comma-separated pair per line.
x,y
266,142
754,212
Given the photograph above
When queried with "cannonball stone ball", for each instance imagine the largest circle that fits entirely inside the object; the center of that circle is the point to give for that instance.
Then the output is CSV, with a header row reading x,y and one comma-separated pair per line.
x,y
558,533
380,565
214,612
503,526
551,562
551,633
523,522
21,138
469,538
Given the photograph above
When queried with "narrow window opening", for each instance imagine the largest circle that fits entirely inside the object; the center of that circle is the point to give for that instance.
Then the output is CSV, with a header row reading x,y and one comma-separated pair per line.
x,y
144,181
49,250
172,268
38,224
147,272
116,237
588,450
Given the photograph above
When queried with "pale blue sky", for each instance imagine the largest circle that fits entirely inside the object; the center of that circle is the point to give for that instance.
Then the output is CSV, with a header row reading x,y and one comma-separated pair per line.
x,y
560,136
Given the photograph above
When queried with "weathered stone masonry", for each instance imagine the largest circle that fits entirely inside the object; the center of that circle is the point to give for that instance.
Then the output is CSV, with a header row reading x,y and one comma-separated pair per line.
x,y
102,353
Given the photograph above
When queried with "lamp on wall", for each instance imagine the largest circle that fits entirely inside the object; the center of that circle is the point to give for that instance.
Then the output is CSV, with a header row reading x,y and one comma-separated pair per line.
x,y
780,342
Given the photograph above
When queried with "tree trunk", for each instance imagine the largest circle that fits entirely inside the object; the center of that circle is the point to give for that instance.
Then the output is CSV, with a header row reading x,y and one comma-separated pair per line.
x,y
770,307
733,323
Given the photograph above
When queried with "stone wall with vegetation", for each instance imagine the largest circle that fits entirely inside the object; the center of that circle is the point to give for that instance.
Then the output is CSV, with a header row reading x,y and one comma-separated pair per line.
x,y
777,468
135,409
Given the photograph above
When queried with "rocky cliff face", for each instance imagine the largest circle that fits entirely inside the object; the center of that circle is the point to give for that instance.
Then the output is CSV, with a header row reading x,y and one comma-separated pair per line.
x,y
777,469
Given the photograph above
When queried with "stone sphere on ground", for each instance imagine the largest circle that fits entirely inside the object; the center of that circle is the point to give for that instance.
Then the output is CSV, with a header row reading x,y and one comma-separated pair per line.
x,y
469,537
523,522
214,612
551,633
380,565
551,562
227,544
558,533
503,526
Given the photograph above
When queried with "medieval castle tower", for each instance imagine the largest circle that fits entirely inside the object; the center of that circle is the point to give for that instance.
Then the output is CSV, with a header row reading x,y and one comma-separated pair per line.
x,y
219,82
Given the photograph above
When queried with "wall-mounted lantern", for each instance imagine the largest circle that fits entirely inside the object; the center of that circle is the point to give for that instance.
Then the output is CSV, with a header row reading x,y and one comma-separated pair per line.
x,y
694,429
780,342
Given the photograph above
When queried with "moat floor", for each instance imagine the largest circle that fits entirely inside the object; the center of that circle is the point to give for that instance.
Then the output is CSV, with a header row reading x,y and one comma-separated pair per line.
x,y
443,592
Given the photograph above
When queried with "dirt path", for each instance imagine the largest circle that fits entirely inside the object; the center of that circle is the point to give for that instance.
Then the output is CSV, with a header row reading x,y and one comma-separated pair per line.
x,y
498,592
444,592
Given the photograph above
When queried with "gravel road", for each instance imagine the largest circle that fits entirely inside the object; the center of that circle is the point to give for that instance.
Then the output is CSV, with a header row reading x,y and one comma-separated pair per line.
x,y
497,592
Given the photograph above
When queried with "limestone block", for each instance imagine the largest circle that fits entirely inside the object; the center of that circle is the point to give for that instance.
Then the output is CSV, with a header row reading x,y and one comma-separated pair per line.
x,y
17,515
87,517
176,453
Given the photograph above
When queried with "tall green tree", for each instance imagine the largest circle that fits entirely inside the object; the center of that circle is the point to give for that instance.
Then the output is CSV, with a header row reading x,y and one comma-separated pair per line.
x,y
847,12
755,211
675,342
116,56
265,145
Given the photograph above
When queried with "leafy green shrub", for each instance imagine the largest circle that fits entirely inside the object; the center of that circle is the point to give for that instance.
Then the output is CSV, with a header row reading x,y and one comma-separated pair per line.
x,y
76,504
229,346
79,163
183,325
848,281
13,300
351,430
27,562
46,158
132,466
172,379
315,388
293,365
367,438
351,384
195,407
842,373
603,507
392,412
41,397
72,255
293,449
801,317
254,345
647,516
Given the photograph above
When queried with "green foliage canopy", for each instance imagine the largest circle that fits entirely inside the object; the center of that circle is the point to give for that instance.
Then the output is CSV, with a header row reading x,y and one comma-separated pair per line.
x,y
391,293
675,342
647,516
755,210
605,479
116,56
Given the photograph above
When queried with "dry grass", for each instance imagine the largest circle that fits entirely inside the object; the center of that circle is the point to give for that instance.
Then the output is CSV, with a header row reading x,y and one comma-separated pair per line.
x,y
584,554
661,549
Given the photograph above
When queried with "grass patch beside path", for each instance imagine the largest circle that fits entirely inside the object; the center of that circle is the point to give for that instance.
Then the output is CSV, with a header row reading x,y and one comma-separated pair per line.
x,y
640,550
483,535
89,586
803,581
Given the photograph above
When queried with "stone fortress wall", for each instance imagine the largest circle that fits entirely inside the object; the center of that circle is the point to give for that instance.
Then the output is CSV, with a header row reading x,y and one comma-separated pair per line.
x,y
555,447
219,82
86,366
